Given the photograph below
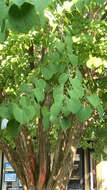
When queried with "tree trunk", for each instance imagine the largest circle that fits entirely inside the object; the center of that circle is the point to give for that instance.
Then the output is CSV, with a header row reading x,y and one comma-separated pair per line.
x,y
35,173
64,157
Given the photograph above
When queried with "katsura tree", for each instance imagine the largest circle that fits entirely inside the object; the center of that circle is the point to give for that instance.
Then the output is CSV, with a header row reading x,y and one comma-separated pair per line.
x,y
52,86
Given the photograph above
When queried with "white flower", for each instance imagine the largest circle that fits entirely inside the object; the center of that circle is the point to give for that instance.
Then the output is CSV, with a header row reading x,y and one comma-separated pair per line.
x,y
59,9
67,5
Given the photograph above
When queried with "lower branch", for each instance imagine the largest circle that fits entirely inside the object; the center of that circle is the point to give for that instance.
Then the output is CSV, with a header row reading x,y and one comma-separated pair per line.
x,y
58,181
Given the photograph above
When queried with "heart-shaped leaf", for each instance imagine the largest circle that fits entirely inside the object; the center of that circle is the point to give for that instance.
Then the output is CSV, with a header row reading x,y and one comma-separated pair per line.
x,y
13,128
22,18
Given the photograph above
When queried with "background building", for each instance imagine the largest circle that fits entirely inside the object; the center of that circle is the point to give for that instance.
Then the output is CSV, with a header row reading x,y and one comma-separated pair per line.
x,y
86,175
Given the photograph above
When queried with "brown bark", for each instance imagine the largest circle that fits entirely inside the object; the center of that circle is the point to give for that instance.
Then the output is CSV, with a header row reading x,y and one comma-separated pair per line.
x,y
67,147
24,148
21,157
34,174
13,158
43,144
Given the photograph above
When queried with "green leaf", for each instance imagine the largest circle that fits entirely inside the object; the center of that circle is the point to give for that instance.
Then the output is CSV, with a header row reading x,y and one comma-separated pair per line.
x,y
41,5
24,101
100,1
19,114
65,123
23,115
46,118
49,70
65,110
26,88
47,74
84,113
2,37
30,112
74,105
80,5
54,57
40,83
79,74
3,10
53,67
65,107
76,83
60,46
73,59
57,68
42,19
54,111
61,68
37,109
63,78
87,2
76,93
13,128
68,41
94,100
4,111
20,2
100,110
58,94
3,25
22,18
39,94
0,122
3,32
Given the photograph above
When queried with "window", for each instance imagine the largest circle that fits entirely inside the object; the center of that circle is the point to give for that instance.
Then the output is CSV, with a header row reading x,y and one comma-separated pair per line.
x,y
76,173
76,180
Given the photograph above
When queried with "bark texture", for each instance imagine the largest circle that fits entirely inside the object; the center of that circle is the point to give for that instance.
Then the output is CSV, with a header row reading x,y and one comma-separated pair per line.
x,y
35,171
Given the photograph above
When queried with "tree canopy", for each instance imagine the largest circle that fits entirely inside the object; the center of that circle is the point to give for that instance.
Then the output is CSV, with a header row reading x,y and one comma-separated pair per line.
x,y
53,79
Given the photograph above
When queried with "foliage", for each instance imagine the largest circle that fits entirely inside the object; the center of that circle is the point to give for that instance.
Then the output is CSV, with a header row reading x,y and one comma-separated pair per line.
x,y
62,65
53,66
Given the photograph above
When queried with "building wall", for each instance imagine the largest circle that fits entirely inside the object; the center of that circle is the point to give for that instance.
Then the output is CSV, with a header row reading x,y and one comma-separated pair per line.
x,y
101,172
86,168
0,166
102,175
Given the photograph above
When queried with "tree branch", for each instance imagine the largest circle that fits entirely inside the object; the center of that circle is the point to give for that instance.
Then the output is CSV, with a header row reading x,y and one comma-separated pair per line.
x,y
13,159
24,149
67,146
43,144
100,78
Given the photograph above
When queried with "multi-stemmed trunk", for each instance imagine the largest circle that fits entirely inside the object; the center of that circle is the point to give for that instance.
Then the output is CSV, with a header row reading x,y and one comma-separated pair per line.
x,y
38,171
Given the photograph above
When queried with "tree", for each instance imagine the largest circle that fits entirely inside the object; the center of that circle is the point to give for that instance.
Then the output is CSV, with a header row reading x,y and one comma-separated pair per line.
x,y
52,85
